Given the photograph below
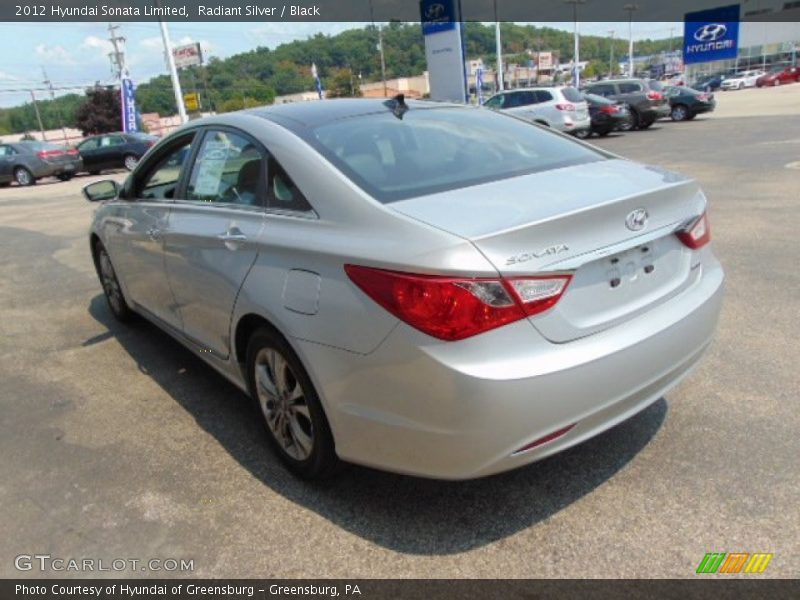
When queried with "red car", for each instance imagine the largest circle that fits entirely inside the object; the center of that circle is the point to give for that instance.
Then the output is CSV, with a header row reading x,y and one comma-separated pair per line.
x,y
779,76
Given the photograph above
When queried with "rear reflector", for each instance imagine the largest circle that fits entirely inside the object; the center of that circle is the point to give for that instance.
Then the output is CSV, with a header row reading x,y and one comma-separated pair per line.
x,y
454,308
697,234
610,109
548,438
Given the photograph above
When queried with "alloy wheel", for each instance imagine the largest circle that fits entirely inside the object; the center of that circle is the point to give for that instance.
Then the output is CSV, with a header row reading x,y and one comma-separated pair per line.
x,y
110,284
283,403
23,176
131,162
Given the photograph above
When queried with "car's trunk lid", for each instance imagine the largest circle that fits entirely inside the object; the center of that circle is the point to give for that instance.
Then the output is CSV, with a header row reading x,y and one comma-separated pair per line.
x,y
574,220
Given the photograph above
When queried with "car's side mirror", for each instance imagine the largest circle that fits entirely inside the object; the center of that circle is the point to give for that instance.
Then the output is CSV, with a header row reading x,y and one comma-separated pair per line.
x,y
107,189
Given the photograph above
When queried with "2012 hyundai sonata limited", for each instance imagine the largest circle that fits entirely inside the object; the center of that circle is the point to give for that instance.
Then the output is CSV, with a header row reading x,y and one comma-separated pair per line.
x,y
419,287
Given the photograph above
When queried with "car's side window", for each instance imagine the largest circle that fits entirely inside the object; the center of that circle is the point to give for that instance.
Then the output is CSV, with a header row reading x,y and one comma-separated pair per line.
x,y
228,169
89,144
4,151
495,101
629,88
543,96
602,90
161,181
113,140
282,193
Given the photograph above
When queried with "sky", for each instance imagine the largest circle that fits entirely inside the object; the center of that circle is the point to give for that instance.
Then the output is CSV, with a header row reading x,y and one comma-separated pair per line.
x,y
75,55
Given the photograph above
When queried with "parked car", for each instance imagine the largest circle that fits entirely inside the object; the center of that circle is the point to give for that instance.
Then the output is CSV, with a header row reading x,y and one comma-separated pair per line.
x,y
607,115
710,83
27,162
741,80
644,98
433,289
114,151
686,103
779,76
559,107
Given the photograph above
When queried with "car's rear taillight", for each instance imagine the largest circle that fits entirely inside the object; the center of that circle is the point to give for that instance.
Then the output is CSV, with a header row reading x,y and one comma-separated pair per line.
x,y
568,107
655,96
73,152
610,109
46,154
454,308
697,234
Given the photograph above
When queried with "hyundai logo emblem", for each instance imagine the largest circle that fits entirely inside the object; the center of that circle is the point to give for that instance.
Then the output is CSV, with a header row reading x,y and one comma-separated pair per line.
x,y
434,11
711,32
636,219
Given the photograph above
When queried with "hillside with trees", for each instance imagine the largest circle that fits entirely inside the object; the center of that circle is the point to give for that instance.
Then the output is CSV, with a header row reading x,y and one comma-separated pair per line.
x,y
343,61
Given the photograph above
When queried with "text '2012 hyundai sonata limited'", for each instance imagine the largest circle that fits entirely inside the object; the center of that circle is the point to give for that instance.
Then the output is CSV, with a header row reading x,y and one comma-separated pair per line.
x,y
419,287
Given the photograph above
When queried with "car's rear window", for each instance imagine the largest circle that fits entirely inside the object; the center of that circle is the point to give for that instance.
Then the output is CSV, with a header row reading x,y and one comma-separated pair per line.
x,y
440,149
655,86
571,94
39,146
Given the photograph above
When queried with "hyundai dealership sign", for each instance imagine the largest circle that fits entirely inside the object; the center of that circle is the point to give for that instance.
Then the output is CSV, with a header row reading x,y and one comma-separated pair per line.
x,y
444,49
711,35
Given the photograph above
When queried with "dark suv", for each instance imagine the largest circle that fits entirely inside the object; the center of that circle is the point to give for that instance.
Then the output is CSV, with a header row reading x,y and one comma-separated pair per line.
x,y
644,97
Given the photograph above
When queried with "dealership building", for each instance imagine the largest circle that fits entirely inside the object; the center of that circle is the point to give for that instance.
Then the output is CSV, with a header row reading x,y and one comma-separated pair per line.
x,y
767,35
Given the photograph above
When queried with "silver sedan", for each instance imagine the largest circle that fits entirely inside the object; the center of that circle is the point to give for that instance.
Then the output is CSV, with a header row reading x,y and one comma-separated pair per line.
x,y
424,288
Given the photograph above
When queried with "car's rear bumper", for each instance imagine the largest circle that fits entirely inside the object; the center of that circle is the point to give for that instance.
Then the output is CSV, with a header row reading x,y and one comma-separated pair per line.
x,y
46,169
462,410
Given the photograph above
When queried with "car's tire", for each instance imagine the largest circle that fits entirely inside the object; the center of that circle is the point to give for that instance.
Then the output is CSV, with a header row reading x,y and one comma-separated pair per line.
x,y
679,112
631,122
5,184
583,134
691,116
604,132
646,124
293,417
111,288
130,161
23,176
64,177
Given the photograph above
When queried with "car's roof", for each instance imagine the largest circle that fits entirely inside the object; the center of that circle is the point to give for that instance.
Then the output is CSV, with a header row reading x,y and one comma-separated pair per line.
x,y
315,113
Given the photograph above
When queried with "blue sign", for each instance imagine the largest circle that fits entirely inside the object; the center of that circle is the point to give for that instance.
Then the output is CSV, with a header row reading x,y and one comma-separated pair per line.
x,y
437,15
128,97
711,34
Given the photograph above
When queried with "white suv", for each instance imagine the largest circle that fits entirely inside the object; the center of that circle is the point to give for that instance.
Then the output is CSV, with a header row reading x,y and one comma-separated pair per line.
x,y
562,108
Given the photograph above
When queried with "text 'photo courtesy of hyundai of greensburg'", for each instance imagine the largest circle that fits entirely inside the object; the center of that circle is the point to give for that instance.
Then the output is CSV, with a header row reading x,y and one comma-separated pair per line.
x,y
424,288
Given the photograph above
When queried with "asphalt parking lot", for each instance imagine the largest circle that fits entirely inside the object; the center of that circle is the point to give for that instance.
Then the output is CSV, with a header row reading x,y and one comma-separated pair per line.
x,y
118,443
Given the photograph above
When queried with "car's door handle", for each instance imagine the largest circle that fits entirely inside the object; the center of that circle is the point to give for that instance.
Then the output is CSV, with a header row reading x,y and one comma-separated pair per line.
x,y
232,237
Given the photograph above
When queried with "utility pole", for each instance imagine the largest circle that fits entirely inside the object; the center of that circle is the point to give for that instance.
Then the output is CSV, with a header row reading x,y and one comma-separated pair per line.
x,y
49,84
611,55
38,116
380,49
117,57
630,8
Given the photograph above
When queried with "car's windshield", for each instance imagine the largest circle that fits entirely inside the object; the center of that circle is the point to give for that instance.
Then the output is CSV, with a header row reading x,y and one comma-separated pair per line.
x,y
439,149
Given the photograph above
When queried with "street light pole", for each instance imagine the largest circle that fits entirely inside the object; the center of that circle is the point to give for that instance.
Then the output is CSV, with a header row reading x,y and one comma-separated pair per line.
x,y
576,78
611,55
630,8
173,72
499,50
